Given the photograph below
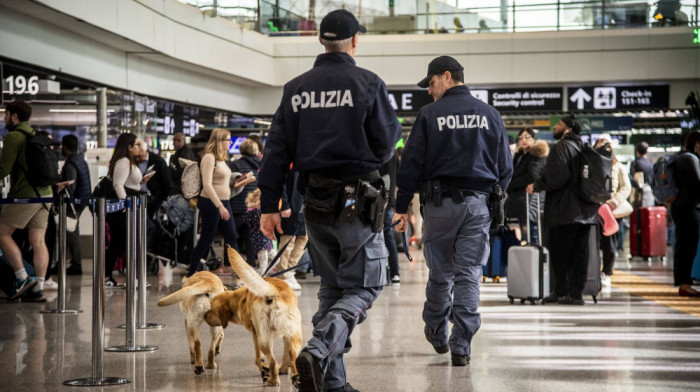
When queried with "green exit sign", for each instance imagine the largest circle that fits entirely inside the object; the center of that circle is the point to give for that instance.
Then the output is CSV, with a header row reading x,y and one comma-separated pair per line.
x,y
696,36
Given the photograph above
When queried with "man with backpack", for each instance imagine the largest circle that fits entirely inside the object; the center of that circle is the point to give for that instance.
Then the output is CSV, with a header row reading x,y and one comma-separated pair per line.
x,y
13,161
567,216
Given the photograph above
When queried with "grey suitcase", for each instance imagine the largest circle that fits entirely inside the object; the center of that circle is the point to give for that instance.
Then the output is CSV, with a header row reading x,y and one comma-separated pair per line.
x,y
528,268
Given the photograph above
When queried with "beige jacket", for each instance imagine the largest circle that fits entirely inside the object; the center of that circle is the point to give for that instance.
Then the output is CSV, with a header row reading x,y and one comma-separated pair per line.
x,y
621,185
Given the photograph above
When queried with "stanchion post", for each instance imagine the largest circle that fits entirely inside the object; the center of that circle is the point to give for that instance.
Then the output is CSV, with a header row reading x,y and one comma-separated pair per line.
x,y
62,227
131,243
98,287
143,216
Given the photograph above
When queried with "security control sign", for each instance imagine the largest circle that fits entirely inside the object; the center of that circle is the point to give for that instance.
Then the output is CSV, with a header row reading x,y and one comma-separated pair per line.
x,y
522,99
503,99
619,97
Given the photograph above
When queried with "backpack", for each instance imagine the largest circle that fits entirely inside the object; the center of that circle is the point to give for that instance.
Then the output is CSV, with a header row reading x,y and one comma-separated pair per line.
x,y
594,175
191,180
178,213
663,185
43,170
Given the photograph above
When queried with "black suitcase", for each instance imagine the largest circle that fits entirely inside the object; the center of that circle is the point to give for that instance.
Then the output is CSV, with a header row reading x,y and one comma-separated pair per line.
x,y
593,285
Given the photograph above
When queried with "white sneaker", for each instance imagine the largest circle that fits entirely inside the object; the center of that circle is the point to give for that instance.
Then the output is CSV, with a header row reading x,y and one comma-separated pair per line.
x,y
50,285
605,280
292,282
395,280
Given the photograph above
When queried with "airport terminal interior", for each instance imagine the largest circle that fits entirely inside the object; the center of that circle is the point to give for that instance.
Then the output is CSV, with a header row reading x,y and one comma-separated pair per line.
x,y
628,69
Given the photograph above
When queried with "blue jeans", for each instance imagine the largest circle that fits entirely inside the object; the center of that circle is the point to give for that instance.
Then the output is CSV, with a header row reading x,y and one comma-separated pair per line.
x,y
390,243
211,220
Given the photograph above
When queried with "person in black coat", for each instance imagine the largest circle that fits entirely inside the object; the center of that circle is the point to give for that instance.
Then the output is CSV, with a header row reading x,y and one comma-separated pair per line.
x,y
685,211
528,163
567,217
248,162
161,185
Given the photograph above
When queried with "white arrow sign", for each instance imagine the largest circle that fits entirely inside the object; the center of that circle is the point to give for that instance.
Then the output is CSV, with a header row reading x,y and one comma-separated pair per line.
x,y
579,97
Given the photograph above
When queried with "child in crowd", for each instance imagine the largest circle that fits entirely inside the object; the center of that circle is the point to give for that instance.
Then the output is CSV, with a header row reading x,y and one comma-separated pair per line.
x,y
261,244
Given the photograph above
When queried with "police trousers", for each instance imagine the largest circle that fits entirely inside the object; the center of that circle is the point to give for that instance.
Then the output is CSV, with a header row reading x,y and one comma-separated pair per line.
x,y
455,246
351,261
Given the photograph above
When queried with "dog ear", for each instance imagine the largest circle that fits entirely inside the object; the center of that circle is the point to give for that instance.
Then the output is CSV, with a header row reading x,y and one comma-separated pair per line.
x,y
224,315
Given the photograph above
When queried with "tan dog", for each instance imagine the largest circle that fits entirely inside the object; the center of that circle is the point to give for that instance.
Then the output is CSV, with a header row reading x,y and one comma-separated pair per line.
x,y
268,309
195,300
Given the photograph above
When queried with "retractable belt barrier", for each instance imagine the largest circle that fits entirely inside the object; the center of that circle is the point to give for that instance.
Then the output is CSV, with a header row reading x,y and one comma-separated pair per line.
x,y
131,247
136,215
98,297
141,268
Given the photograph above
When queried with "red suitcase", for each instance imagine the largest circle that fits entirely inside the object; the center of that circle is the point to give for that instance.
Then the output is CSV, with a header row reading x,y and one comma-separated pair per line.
x,y
648,232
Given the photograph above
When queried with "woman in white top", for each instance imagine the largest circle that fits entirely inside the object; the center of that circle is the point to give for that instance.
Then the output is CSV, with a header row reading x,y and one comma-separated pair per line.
x,y
214,200
126,179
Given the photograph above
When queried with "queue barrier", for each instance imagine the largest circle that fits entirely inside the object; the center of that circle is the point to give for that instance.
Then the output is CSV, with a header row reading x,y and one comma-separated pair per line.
x,y
136,212
98,291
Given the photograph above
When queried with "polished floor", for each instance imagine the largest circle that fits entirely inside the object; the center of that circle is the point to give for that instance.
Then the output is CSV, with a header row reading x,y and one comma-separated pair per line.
x,y
640,336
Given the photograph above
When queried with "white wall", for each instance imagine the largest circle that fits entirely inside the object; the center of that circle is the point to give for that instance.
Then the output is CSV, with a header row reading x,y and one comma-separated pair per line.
x,y
167,49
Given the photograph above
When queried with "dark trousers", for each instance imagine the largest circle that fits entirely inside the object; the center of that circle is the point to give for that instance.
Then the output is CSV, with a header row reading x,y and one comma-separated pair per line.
x,y
73,241
687,220
244,243
609,246
117,239
568,252
391,243
211,220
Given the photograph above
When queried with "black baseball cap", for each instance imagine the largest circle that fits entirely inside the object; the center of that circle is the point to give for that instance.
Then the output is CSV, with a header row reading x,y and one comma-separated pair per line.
x,y
340,24
438,66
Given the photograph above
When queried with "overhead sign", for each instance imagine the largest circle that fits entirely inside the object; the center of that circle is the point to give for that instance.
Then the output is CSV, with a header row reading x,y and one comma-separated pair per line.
x,y
503,99
619,97
409,100
523,99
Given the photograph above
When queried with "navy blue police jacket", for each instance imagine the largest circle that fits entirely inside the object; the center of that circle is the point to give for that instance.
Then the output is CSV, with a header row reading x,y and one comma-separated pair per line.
x,y
459,140
335,120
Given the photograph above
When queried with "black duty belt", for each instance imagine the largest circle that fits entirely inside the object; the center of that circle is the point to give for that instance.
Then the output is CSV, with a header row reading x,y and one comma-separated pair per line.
x,y
448,193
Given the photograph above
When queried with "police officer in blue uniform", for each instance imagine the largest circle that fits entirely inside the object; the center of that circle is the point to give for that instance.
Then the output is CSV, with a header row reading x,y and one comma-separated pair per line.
x,y
456,154
336,124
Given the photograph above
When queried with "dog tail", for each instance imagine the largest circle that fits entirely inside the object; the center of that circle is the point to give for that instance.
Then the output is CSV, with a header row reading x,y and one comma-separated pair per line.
x,y
184,293
254,282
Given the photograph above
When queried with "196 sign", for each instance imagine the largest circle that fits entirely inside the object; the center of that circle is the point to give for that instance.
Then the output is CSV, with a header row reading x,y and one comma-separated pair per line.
x,y
18,85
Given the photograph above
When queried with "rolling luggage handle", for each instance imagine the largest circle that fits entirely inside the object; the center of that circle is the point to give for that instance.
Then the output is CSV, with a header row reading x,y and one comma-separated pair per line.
x,y
527,220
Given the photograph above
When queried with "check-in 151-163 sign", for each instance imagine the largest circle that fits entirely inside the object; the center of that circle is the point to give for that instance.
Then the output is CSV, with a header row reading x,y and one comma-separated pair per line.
x,y
619,97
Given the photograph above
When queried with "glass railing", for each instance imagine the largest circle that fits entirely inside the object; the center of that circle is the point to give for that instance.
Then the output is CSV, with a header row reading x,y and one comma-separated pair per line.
x,y
288,17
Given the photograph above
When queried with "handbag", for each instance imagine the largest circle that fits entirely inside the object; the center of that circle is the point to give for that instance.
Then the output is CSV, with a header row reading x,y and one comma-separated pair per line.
x,y
71,223
610,225
623,210
191,180
104,188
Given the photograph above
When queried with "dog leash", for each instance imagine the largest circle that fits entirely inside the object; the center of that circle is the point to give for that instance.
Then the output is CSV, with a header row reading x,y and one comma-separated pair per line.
x,y
287,270
275,259
281,250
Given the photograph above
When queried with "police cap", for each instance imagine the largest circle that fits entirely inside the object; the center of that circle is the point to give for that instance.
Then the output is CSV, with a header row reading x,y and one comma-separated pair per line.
x,y
438,66
340,24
